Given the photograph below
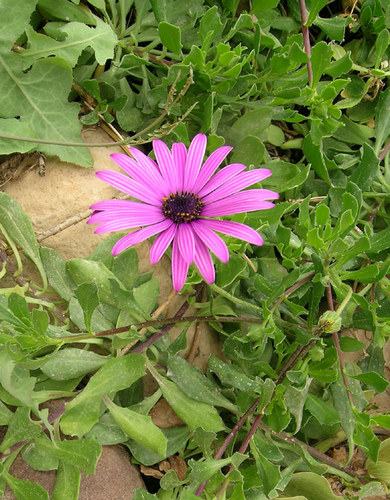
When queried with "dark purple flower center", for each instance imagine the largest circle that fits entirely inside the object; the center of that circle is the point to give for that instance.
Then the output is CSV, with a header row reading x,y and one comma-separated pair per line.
x,y
182,207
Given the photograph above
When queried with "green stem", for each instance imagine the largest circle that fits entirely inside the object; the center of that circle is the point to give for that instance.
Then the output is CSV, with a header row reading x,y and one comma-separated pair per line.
x,y
236,300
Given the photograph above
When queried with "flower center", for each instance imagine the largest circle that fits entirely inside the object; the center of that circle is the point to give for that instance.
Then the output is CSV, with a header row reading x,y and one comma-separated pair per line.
x,y
182,207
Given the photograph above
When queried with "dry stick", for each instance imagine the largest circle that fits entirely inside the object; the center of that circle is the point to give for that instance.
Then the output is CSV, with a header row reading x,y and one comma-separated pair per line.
x,y
306,39
384,151
336,342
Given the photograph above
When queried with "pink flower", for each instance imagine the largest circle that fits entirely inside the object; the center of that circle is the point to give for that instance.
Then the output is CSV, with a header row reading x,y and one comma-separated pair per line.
x,y
178,200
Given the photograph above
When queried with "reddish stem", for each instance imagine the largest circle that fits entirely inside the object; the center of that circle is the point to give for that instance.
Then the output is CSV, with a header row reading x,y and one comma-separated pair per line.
x,y
306,39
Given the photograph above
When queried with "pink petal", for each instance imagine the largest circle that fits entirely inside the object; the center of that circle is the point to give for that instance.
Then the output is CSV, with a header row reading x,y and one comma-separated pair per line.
x,y
130,209
129,186
210,166
237,183
179,155
245,201
161,243
118,224
186,242
179,268
194,161
235,229
111,204
212,240
221,177
203,261
165,162
140,235
143,173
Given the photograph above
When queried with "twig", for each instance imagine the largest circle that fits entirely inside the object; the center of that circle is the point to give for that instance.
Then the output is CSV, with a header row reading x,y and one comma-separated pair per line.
x,y
306,39
384,151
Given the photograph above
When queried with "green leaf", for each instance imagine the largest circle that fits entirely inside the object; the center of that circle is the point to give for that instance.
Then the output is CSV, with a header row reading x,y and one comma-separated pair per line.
x,y
177,438
139,427
381,43
78,36
315,7
229,375
320,59
40,98
71,363
343,407
322,411
5,414
210,22
250,151
170,37
55,268
382,120
20,428
13,126
38,458
268,472
227,273
252,123
311,486
295,398
334,27
80,419
116,374
16,14
16,380
26,490
380,241
372,379
67,483
82,453
87,296
367,170
66,11
193,413
125,267
284,176
19,228
316,157
193,383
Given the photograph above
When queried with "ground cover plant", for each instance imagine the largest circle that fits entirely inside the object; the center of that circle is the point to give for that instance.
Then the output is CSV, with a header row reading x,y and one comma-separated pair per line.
x,y
296,89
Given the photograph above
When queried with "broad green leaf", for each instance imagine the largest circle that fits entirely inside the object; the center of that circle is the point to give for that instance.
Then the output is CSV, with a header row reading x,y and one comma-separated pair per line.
x,y
210,21
334,27
380,241
250,151
83,453
5,414
316,157
39,458
343,407
66,11
372,379
381,43
295,398
254,122
138,427
196,385
320,58
170,37
230,375
19,228
382,120
26,490
202,470
367,170
67,483
40,98
57,276
311,486
80,419
269,473
78,36
20,428
322,411
315,7
71,362
87,296
177,438
193,413
227,273
16,380
13,126
106,431
284,176
125,267
116,374
14,15
146,295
